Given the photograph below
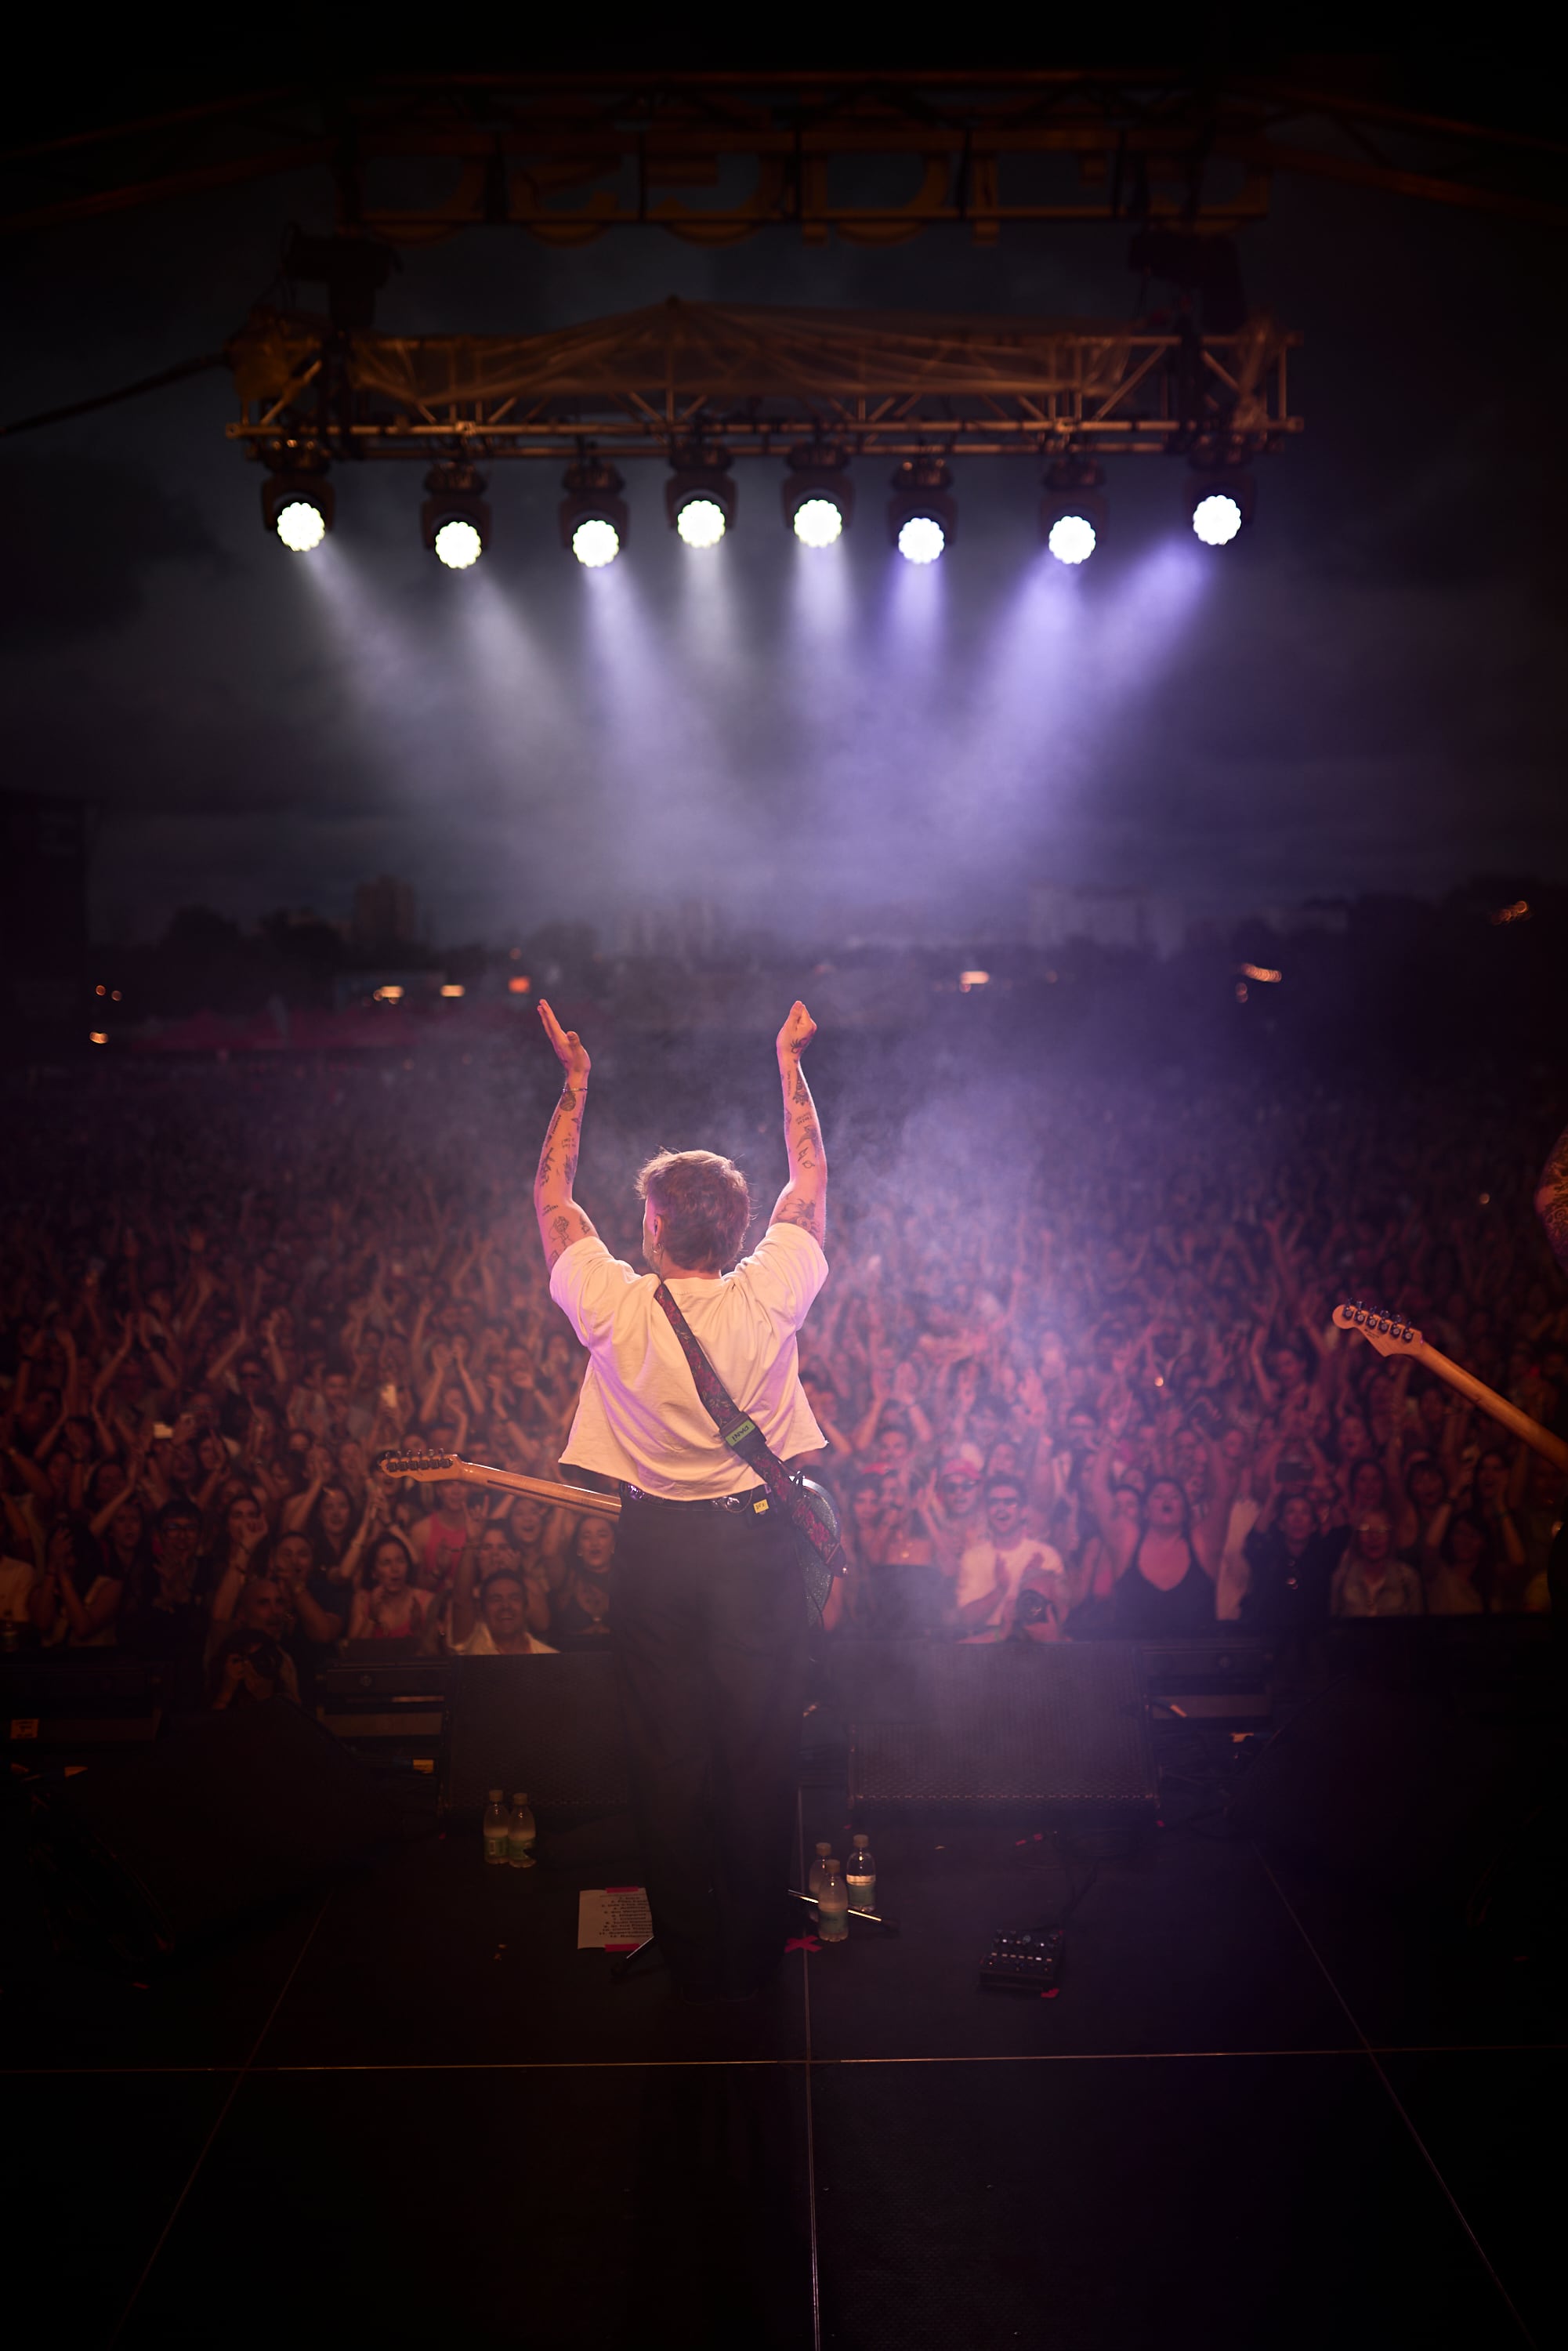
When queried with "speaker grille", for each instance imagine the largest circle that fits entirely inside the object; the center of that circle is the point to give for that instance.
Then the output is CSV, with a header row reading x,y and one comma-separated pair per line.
x,y
1010,1724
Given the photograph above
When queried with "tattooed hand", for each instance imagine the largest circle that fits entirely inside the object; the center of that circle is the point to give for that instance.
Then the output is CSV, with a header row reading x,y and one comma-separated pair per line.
x,y
570,1050
797,1032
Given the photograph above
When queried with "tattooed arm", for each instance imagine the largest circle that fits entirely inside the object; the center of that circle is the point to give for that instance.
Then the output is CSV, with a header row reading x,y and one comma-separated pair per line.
x,y
804,1199
1551,1199
561,1221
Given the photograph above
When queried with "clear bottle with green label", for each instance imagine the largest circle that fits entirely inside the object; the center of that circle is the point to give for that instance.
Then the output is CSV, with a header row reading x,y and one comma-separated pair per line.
x,y
860,1875
497,1828
832,1905
521,1834
814,1882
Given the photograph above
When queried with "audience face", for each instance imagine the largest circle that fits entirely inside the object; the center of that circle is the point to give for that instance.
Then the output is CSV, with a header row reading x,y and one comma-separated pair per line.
x,y
1166,1508
1004,1512
1373,1539
958,1491
245,1523
593,1545
527,1521
1491,1481
503,1604
262,1607
336,1512
1296,1522
390,1565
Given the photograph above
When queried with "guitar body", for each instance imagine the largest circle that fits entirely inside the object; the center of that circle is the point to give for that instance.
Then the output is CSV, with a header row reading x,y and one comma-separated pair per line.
x,y
432,1469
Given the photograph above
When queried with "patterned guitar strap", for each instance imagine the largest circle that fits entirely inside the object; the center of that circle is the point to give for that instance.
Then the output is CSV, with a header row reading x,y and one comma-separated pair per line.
x,y
742,1436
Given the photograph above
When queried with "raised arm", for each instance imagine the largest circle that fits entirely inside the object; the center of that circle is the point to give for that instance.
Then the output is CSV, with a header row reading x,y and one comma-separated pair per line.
x,y
804,1199
561,1221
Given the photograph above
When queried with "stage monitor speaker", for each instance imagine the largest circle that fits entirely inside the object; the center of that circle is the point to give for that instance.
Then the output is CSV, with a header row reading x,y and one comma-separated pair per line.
x,y
1398,1787
549,1726
77,1702
1052,1726
143,1856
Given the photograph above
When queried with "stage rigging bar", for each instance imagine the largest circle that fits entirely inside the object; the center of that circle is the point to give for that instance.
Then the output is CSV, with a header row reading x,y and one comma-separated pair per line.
x,y
755,382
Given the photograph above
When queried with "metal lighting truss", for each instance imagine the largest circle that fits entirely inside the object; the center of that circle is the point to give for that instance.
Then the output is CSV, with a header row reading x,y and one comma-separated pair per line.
x,y
871,157
757,382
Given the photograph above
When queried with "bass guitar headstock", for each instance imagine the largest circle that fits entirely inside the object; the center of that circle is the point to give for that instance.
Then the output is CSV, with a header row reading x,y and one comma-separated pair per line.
x,y
427,1468
1387,1332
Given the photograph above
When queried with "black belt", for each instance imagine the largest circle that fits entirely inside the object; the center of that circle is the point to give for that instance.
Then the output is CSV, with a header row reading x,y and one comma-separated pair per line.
x,y
747,1501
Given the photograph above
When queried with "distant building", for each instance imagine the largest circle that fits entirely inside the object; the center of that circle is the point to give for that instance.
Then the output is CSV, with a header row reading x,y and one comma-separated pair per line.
x,y
383,914
690,930
1142,921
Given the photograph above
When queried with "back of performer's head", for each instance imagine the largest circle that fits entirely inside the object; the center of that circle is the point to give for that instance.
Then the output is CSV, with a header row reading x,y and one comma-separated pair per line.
x,y
703,1205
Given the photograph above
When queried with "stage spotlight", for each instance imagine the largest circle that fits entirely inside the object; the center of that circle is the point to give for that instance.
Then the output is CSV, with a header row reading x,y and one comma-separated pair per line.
x,y
593,513
698,498
1221,504
817,497
454,521
1073,514
296,504
921,515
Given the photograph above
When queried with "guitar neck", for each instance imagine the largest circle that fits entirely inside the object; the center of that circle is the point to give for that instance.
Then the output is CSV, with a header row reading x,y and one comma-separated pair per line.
x,y
1541,1439
560,1498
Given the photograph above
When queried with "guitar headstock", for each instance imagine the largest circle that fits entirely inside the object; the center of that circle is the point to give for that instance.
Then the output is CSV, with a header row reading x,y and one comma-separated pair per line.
x,y
1385,1331
428,1469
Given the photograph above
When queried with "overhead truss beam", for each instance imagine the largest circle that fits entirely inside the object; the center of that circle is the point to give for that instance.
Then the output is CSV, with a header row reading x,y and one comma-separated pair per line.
x,y
757,382
715,158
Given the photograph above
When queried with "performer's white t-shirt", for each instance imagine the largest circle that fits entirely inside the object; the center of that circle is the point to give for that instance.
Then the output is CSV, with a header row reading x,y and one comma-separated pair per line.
x,y
638,1417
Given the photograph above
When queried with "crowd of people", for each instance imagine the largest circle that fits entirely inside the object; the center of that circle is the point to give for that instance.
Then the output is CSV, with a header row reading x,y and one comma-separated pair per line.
x,y
1075,1364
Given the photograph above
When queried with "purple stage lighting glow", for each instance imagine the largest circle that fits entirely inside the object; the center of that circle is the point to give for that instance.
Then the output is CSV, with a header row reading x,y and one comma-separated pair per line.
x,y
921,539
1217,518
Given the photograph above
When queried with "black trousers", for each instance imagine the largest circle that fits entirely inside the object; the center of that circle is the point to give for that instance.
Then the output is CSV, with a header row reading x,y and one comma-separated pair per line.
x,y
709,1618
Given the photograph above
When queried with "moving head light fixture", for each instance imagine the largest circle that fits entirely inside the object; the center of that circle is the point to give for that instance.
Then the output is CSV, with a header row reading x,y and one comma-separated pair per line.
x,y
297,500
1221,499
699,497
818,495
593,512
921,515
1073,514
454,521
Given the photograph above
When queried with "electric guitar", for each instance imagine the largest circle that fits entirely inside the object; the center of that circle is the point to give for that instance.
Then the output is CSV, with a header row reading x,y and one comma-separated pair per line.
x,y
435,1468
1390,1336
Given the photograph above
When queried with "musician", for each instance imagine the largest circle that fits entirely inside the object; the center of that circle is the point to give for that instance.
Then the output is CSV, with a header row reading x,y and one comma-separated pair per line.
x,y
706,1598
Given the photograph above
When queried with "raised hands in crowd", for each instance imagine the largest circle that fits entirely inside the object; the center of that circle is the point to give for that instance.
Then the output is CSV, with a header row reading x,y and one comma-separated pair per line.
x,y
1077,1376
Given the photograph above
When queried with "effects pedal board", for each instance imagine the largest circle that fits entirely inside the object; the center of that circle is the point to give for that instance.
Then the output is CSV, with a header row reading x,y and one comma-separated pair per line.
x,y
1024,1963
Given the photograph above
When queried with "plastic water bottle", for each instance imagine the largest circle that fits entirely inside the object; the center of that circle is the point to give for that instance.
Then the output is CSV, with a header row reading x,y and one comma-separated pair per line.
x,y
814,1883
497,1827
832,1905
521,1834
860,1876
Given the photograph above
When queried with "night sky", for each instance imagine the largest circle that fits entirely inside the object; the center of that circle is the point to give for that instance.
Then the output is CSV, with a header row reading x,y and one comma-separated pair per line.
x,y
1365,693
